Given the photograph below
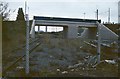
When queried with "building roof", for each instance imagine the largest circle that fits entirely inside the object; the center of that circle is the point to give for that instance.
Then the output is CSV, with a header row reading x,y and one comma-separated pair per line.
x,y
65,19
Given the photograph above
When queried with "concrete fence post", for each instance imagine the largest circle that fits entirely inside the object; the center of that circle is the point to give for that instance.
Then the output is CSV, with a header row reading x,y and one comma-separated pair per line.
x,y
99,43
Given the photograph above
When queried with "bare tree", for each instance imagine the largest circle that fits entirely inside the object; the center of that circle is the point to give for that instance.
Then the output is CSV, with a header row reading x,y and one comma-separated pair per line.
x,y
4,11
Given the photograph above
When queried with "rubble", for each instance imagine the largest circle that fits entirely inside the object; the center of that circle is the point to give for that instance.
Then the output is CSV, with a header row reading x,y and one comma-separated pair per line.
x,y
64,72
110,61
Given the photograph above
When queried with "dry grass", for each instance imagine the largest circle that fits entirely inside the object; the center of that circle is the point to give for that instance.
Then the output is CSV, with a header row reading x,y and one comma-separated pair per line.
x,y
15,36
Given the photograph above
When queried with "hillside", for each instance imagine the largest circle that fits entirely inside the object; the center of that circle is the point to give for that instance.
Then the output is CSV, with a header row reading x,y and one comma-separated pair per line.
x,y
13,35
113,27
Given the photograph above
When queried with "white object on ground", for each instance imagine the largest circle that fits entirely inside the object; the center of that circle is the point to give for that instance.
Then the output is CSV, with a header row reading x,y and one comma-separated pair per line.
x,y
64,72
19,67
58,70
110,61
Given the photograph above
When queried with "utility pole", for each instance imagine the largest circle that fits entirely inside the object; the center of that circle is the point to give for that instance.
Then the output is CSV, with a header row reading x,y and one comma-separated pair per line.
x,y
25,9
119,12
97,14
109,15
27,40
84,15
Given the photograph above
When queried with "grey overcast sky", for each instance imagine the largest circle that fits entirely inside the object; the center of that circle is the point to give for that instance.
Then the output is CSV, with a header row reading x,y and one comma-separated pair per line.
x,y
68,8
